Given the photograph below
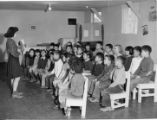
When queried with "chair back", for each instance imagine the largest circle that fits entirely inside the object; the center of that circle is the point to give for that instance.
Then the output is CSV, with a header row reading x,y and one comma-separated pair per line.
x,y
127,89
85,93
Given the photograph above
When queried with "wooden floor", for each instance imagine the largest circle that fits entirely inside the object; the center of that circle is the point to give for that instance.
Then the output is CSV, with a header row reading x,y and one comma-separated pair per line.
x,y
38,104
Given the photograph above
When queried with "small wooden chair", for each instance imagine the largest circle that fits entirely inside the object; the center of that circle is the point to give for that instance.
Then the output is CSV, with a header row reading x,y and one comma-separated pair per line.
x,y
116,97
144,90
81,102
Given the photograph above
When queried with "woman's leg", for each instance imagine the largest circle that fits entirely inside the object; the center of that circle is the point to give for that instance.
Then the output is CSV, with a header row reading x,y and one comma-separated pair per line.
x,y
15,86
12,81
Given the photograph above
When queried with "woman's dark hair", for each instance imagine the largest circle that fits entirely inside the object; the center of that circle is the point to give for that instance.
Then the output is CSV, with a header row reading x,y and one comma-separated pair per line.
x,y
11,32
130,49
147,48
138,48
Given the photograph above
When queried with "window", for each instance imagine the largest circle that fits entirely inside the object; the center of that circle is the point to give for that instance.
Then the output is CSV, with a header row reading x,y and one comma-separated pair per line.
x,y
129,21
95,18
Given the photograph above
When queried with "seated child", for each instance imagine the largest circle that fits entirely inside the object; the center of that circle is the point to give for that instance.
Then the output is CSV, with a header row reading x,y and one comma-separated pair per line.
x,y
108,49
128,57
58,65
30,61
97,70
56,47
136,60
76,85
48,69
69,49
144,73
35,64
64,73
88,65
78,56
88,49
98,49
103,81
117,86
41,65
118,51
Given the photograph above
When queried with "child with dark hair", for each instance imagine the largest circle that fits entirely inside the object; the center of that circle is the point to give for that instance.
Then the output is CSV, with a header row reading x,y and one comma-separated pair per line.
x,y
103,81
55,73
77,57
117,86
128,56
97,70
41,65
49,67
88,65
144,73
30,60
88,48
76,85
108,49
98,49
33,69
56,47
69,49
136,60
98,67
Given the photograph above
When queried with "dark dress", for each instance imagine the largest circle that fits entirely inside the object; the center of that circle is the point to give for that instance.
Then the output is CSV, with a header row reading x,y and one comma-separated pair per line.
x,y
14,68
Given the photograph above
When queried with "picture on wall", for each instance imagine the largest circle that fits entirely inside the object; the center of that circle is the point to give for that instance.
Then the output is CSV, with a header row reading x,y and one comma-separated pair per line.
x,y
145,30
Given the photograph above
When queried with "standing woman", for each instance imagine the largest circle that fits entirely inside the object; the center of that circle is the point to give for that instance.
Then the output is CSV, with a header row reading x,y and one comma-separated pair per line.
x,y
14,68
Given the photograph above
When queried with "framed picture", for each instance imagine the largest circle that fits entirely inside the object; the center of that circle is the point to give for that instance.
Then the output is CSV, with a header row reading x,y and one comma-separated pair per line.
x,y
145,29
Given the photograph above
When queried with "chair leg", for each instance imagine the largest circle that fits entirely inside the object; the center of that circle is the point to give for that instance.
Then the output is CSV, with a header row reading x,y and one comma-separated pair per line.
x,y
134,93
112,104
126,102
139,96
83,112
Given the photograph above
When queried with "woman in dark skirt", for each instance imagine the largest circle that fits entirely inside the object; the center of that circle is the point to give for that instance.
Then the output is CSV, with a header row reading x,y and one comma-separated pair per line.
x,y
14,68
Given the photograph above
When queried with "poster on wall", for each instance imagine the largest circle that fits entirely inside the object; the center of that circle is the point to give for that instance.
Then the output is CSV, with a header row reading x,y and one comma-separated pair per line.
x,y
97,33
85,33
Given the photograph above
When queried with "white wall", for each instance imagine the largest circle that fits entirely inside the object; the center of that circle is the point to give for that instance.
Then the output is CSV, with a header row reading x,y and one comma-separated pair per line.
x,y
112,20
50,26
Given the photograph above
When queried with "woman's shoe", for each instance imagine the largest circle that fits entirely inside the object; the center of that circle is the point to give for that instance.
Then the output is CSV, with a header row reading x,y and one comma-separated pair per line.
x,y
16,95
20,93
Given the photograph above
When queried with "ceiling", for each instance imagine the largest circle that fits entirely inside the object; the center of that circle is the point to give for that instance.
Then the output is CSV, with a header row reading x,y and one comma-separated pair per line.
x,y
61,5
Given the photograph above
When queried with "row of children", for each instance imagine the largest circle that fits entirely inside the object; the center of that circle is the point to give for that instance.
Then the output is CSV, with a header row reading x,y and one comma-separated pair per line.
x,y
61,72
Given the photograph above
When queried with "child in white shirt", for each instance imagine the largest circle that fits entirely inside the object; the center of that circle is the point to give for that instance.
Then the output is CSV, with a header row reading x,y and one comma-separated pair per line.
x,y
136,60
